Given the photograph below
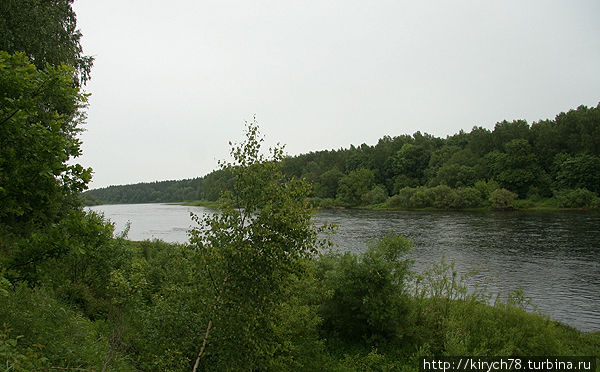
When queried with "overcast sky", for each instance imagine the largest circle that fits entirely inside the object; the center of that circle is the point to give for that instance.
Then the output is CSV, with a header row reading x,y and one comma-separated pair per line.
x,y
174,81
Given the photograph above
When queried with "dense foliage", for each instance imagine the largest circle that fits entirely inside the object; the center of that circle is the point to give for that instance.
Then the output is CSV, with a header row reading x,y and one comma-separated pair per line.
x,y
250,292
41,113
46,31
548,159
40,118
147,192
254,288
250,251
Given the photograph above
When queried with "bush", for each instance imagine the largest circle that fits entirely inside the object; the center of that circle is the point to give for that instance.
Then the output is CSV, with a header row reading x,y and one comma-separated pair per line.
x,y
325,203
577,198
452,318
422,198
441,196
376,195
503,199
467,197
39,331
486,188
366,301
402,199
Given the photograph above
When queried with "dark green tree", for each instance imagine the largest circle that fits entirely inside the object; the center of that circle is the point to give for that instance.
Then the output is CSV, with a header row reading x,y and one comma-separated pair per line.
x,y
354,185
505,132
329,183
579,130
40,119
410,162
46,31
546,142
480,141
515,169
580,171
360,157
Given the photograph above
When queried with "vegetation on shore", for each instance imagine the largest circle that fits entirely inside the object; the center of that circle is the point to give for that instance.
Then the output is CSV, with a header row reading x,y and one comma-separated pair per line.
x,y
548,164
201,203
254,289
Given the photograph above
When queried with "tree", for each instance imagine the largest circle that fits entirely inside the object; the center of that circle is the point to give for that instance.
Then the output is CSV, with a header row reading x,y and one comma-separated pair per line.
x,y
579,130
480,141
455,175
505,132
546,142
251,249
46,31
411,161
354,185
329,182
361,157
40,117
515,169
581,171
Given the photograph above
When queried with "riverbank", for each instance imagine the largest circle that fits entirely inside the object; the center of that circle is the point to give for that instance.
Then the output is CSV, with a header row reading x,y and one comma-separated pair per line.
x,y
200,203
393,204
415,202
547,205
335,315
516,247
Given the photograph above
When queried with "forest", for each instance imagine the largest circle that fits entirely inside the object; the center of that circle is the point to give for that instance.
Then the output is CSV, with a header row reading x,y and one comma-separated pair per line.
x,y
550,163
255,288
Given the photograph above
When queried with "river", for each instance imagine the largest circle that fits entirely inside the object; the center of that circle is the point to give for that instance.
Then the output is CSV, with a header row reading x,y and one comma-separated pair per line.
x,y
553,256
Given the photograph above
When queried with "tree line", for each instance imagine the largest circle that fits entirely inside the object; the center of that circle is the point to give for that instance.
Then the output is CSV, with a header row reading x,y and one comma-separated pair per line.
x,y
254,289
558,158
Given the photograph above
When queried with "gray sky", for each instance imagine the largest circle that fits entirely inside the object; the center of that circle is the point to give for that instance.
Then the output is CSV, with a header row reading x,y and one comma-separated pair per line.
x,y
174,81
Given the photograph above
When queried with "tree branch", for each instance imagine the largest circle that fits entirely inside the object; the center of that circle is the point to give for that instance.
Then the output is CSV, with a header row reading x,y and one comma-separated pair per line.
x,y
209,327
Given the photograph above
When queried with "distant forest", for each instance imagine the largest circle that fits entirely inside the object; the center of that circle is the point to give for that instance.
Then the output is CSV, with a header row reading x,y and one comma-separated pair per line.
x,y
557,158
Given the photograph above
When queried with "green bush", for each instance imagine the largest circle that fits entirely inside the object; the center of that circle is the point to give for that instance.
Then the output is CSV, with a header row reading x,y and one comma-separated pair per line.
x,y
441,196
466,197
367,294
422,198
42,332
503,199
378,194
452,318
324,203
486,188
577,198
402,199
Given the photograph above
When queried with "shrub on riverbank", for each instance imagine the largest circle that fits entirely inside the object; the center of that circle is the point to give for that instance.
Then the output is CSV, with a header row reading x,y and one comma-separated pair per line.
x,y
577,198
438,197
344,312
251,292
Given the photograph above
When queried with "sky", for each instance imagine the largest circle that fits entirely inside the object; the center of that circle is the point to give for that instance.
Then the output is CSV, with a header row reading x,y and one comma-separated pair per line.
x,y
174,81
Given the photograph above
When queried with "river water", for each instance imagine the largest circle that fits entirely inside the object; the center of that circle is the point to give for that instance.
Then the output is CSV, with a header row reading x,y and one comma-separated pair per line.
x,y
553,256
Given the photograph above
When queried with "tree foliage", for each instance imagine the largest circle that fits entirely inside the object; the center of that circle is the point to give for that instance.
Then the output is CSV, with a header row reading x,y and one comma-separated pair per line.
x,y
532,161
249,293
259,238
367,298
40,116
46,31
355,185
